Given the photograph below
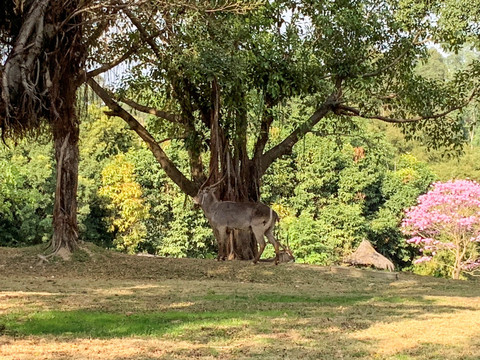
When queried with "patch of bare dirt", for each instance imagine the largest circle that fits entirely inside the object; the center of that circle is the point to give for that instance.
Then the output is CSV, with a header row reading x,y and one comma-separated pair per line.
x,y
95,262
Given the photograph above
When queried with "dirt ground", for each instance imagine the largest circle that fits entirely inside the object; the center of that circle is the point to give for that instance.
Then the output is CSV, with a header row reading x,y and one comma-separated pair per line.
x,y
133,307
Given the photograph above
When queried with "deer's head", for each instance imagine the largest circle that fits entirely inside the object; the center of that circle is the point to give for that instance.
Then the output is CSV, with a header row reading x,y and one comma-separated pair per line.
x,y
202,196
288,255
205,195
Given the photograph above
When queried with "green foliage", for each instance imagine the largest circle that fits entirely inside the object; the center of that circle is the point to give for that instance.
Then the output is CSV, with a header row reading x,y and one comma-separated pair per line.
x,y
332,194
465,166
438,266
400,189
101,137
305,237
173,227
26,193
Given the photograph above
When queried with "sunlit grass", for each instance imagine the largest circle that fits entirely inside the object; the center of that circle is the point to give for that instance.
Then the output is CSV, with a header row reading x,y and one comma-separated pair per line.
x,y
104,325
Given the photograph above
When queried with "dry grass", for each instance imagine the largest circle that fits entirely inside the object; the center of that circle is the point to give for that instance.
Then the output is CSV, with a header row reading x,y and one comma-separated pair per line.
x,y
104,305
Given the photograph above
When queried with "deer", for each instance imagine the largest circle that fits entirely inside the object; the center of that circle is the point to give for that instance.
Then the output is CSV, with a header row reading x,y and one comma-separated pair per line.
x,y
285,255
225,216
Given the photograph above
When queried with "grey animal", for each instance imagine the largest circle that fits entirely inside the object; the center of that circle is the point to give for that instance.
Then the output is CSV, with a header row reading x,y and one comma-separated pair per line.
x,y
224,215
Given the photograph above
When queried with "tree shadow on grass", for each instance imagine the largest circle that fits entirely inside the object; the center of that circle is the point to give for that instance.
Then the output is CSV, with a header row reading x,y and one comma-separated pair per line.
x,y
348,312
80,323
259,324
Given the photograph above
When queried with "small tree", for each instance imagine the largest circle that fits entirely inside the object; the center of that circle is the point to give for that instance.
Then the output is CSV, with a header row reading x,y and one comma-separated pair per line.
x,y
445,224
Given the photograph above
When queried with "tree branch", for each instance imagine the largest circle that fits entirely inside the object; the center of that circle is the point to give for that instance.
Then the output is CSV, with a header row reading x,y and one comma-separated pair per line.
x,y
106,67
262,139
167,165
351,111
173,118
143,33
285,147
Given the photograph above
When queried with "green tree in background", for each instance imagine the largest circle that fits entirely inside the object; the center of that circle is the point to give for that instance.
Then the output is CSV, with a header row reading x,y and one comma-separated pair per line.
x,y
335,191
400,188
27,187
173,228
101,138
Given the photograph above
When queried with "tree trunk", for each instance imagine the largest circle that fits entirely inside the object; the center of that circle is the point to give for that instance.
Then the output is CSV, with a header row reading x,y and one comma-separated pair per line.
x,y
39,83
240,180
66,69
457,267
65,229
240,184
65,129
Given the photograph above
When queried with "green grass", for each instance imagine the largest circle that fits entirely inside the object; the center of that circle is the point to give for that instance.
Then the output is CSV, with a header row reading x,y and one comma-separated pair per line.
x,y
108,325
341,300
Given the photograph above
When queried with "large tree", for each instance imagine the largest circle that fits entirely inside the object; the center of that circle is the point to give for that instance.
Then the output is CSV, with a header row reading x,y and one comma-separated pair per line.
x,y
44,53
43,49
217,79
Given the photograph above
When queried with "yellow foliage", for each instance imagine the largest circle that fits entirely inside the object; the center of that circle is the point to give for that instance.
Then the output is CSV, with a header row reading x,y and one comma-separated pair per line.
x,y
282,210
274,133
128,209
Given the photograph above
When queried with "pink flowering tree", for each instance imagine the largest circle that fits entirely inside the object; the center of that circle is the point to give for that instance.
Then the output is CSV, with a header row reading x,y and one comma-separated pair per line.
x,y
446,221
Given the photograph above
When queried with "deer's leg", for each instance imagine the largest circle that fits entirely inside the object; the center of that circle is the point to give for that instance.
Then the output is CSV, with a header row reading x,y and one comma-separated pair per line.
x,y
231,245
258,232
222,243
219,243
274,242
217,236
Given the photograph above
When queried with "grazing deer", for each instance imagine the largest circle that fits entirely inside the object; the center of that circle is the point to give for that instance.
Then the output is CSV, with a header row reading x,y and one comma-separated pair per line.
x,y
224,215
284,256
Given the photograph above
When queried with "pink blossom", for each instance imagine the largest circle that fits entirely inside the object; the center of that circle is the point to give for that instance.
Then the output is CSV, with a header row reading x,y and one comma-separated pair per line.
x,y
471,265
415,240
422,259
446,218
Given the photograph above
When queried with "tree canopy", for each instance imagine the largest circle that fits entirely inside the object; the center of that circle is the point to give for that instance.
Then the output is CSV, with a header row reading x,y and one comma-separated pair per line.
x,y
218,79
340,59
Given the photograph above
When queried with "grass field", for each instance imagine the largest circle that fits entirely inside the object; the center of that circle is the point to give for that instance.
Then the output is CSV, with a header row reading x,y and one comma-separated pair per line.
x,y
105,305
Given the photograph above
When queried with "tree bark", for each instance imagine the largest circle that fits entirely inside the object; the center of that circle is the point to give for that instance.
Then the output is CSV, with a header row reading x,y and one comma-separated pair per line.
x,y
286,146
241,182
65,228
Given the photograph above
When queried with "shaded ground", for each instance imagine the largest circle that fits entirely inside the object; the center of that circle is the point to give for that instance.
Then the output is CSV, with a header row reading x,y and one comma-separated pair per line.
x,y
105,305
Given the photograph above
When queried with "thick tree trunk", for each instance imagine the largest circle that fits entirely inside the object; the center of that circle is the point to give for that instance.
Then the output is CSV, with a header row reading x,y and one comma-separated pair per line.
x,y
66,69
240,178
241,184
65,229
39,83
